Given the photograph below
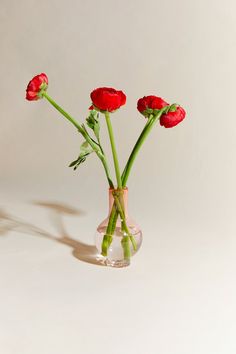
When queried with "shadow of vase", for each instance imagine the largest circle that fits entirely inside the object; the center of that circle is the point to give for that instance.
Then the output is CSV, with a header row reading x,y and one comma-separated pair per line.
x,y
81,251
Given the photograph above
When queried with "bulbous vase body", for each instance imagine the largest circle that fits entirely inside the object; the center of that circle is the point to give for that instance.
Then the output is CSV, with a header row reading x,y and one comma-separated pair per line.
x,y
118,237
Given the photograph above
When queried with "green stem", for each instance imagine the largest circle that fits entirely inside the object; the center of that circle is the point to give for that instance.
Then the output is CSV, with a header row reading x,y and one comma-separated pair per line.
x,y
116,210
64,113
124,225
108,237
124,228
113,148
114,221
126,248
87,137
139,143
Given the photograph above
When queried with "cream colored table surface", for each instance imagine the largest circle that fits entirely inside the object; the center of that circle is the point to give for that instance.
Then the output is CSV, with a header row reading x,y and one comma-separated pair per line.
x,y
178,296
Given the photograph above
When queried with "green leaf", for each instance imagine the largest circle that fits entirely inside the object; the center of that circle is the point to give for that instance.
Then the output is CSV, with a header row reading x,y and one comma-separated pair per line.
x,y
85,151
85,148
73,163
93,122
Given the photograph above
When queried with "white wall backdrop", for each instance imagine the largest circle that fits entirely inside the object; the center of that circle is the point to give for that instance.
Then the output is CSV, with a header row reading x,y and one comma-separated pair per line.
x,y
181,288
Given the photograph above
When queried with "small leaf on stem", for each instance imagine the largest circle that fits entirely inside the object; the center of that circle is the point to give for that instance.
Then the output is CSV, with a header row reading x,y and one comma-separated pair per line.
x,y
85,151
93,122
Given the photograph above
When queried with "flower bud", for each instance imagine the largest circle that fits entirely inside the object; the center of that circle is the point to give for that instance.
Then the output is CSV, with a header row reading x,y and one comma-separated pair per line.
x,y
150,104
172,118
36,86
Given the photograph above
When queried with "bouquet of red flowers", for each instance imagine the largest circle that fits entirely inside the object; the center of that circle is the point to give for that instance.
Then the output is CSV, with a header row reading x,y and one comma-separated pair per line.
x,y
118,237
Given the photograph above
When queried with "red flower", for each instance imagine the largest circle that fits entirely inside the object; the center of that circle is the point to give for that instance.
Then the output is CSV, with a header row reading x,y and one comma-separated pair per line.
x,y
38,83
107,99
171,119
150,102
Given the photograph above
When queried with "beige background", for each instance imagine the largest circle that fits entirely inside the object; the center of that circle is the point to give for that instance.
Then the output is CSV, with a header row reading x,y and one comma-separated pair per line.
x,y
178,297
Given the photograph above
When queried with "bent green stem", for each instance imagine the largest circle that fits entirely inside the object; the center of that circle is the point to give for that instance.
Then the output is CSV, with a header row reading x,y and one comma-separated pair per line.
x,y
152,119
86,136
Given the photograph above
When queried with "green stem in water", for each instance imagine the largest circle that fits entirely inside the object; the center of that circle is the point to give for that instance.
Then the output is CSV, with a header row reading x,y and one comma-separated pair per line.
x,y
124,225
108,237
116,210
114,152
126,248
87,137
139,143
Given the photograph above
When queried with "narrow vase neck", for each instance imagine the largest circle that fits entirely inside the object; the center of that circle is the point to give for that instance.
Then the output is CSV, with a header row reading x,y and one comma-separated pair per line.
x,y
123,196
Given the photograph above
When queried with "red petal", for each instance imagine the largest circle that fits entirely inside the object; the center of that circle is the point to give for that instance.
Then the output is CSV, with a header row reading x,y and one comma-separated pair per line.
x,y
107,98
171,119
34,85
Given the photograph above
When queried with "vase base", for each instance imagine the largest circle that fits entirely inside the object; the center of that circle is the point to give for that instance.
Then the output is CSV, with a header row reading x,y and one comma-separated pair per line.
x,y
117,263
120,263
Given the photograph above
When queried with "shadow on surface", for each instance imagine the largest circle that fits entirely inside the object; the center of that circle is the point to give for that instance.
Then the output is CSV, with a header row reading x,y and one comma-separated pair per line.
x,y
82,251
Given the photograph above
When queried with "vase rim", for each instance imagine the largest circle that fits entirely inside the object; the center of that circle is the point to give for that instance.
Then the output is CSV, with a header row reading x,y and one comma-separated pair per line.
x,y
114,189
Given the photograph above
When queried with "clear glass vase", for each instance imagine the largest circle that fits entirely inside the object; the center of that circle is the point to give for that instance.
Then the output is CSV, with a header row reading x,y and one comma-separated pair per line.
x,y
118,237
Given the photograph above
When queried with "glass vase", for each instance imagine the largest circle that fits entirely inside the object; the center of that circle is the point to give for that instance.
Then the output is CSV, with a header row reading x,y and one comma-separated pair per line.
x,y
118,237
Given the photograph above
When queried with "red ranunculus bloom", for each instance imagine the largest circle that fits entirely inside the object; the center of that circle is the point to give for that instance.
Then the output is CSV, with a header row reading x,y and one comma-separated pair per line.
x,y
150,102
35,85
107,99
171,119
